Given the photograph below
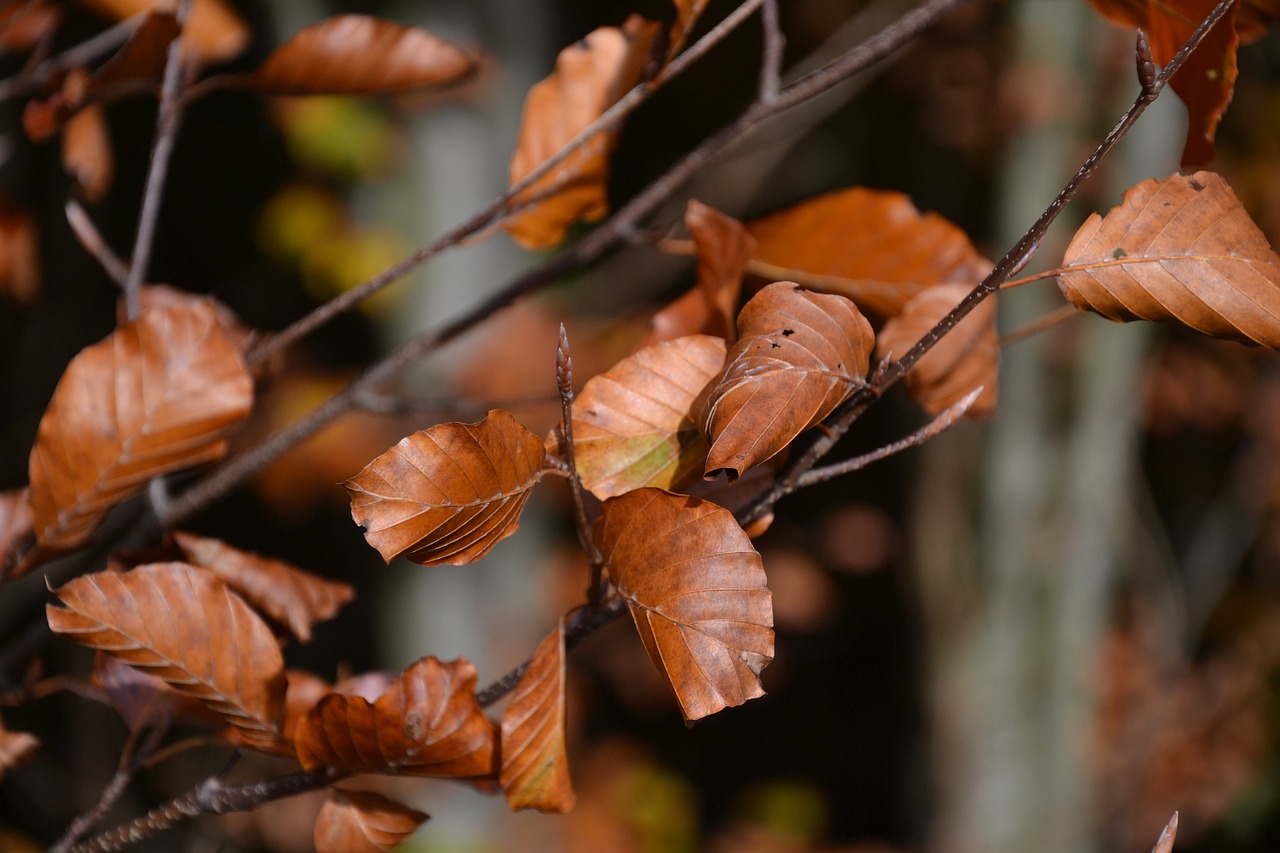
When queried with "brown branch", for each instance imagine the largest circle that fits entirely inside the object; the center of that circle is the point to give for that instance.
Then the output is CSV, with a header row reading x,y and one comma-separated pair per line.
x,y
581,524
774,46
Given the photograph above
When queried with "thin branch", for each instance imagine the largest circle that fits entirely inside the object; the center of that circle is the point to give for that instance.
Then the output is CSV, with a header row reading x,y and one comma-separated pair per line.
x,y
92,241
774,46
582,524
382,403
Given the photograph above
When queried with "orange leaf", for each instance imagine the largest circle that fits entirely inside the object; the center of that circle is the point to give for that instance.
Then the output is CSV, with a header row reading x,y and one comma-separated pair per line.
x,y
160,295
632,426
798,356
86,152
363,822
359,54
184,626
214,33
1180,250
696,590
24,25
590,76
687,14
19,255
426,724
15,748
290,596
885,249
15,521
142,58
450,493
157,395
966,357
535,768
302,691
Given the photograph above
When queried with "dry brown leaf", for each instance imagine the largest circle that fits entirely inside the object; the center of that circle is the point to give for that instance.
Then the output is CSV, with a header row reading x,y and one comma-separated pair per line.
x,y
86,152
798,356
1178,250
363,822
632,425
687,14
360,54
214,32
696,590
23,25
965,358
1164,844
302,691
15,521
450,493
15,748
141,60
884,249
157,395
19,255
590,76
142,699
290,596
184,626
428,723
535,768
160,295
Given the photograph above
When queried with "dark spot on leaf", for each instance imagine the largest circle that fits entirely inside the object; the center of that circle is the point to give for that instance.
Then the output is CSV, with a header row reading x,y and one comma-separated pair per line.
x,y
413,726
1119,253
1195,185
773,345
786,333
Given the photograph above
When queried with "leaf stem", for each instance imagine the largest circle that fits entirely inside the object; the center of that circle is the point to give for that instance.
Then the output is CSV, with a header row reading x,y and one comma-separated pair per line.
x,y
92,241
1056,317
581,523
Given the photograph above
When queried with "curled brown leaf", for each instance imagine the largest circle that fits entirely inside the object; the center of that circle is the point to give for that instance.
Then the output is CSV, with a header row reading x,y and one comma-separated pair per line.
x,y
535,768
363,822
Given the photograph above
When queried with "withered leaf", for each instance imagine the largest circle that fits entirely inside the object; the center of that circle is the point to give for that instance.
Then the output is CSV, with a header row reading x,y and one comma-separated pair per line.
x,y
965,358
15,748
363,822
535,768
590,76
360,54
449,493
290,596
143,699
632,425
798,356
159,295
1179,250
883,249
426,724
696,590
15,521
86,152
23,25
213,33
1164,844
687,14
302,691
143,56
187,628
19,255
157,395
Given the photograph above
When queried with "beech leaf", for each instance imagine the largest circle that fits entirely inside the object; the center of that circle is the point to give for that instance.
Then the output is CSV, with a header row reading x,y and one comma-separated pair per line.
x,y
359,54
687,14
428,723
363,822
213,33
15,748
632,425
19,255
1178,250
591,75
15,522
1164,844
696,590
965,358
535,768
86,152
798,356
157,395
143,699
449,493
187,628
290,596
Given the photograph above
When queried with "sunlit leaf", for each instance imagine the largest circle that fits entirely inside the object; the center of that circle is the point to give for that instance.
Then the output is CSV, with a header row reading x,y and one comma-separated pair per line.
x,y
535,768
696,590
450,493
363,822
428,723
798,356
184,626
214,32
632,425
1182,250
157,395
15,748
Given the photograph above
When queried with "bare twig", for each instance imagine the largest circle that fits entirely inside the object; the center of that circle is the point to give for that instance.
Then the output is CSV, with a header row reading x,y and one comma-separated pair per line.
x,y
774,46
91,239
582,524
381,403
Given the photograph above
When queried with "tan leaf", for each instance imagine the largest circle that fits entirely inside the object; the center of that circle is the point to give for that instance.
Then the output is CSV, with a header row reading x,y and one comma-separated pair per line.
x,y
360,54
86,152
19,255
214,33
290,596
450,493
535,768
15,748
590,76
426,724
160,295
157,395
363,822
15,521
184,626
696,590
798,356
965,358
632,425
884,249
1178,250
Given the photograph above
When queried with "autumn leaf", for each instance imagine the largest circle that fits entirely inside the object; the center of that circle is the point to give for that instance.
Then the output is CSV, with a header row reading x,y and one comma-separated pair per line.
x,y
143,699
187,628
798,356
687,14
15,748
696,590
363,822
871,246
290,596
632,425
156,396
360,54
450,493
161,295
1178,250
302,691
24,25
142,58
86,152
19,255
214,32
1164,844
428,723
590,76
15,521
965,358
535,768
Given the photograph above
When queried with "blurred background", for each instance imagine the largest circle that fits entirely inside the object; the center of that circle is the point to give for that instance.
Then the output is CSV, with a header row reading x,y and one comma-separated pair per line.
x,y
1044,632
